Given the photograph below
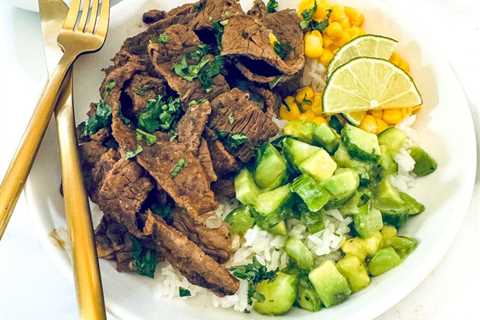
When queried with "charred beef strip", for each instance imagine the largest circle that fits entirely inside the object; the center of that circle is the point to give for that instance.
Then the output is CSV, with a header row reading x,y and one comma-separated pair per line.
x,y
152,16
224,188
234,113
191,125
206,161
215,11
189,259
258,9
143,88
224,163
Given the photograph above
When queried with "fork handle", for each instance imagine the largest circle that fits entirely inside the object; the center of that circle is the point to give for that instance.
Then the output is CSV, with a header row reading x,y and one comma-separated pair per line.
x,y
20,165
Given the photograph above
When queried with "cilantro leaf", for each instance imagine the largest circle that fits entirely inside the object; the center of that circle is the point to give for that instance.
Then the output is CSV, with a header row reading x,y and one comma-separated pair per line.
x,y
160,114
282,49
133,153
275,82
163,38
178,167
144,259
308,23
109,86
101,119
232,141
218,29
145,136
209,72
272,6
182,292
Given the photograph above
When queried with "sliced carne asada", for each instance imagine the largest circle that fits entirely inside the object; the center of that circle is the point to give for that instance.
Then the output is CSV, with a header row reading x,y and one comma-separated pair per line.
x,y
191,125
143,88
98,172
152,16
235,116
206,161
224,163
224,188
271,101
214,11
258,9
189,259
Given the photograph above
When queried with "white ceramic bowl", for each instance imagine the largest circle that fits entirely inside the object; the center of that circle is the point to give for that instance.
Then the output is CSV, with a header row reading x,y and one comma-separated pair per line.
x,y
444,125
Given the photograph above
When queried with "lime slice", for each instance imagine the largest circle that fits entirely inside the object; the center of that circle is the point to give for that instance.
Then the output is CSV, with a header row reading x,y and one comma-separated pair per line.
x,y
355,118
369,45
369,83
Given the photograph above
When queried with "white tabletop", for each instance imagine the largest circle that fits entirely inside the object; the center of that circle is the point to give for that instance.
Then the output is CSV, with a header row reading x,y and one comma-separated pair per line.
x,y
32,288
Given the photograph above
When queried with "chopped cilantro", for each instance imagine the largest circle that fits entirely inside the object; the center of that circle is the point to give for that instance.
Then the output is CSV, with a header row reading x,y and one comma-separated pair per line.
x,y
142,89
160,114
282,49
144,259
182,292
133,153
275,82
145,136
163,38
308,23
101,119
173,135
232,141
272,6
109,87
209,72
218,29
178,167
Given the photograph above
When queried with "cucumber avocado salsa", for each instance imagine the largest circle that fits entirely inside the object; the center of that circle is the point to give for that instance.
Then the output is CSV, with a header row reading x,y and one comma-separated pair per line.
x,y
303,174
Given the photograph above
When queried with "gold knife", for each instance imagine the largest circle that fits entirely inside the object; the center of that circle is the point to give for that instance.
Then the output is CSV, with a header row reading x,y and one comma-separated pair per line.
x,y
85,263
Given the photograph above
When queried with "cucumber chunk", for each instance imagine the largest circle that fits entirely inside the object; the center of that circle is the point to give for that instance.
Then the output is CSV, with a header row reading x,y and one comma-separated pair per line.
x,y
424,163
330,284
300,253
307,297
342,186
279,229
246,191
355,247
270,168
361,145
387,196
319,165
387,162
393,139
314,196
301,130
383,261
240,220
367,221
352,268
278,294
403,245
297,151
326,137
272,201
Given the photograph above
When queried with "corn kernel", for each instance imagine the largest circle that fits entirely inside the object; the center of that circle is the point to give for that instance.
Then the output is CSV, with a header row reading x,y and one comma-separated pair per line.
x,y
313,44
317,106
392,116
395,58
404,66
290,112
334,30
338,13
377,113
381,125
345,23
355,32
369,124
304,93
304,5
356,18
319,120
326,56
321,12
327,41
343,39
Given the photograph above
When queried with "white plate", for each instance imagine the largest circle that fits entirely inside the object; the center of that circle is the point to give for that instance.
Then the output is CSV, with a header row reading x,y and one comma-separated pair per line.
x,y
444,125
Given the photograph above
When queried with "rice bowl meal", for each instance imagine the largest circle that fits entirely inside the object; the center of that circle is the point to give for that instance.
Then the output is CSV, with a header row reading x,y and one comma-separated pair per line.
x,y
258,161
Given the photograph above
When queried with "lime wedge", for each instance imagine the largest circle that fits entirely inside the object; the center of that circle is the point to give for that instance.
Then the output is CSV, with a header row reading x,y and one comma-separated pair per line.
x,y
369,45
369,83
355,118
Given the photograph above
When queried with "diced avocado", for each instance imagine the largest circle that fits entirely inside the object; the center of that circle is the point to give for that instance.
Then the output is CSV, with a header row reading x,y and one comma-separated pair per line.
x,y
408,206
387,162
330,284
424,163
271,201
279,229
342,185
307,297
387,196
354,270
313,221
278,294
373,243
297,151
319,165
368,221
397,220
392,138
403,245
270,167
360,144
355,247
300,253
383,261
351,206
246,191
301,130
388,233
314,196
326,137
240,220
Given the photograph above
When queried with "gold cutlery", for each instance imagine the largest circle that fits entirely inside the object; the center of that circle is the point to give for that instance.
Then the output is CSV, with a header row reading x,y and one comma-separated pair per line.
x,y
84,30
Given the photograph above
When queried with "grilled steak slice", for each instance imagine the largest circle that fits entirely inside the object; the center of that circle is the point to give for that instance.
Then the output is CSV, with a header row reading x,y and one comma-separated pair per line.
x,y
191,125
215,10
224,188
143,88
234,113
206,161
258,9
224,162
152,16
189,259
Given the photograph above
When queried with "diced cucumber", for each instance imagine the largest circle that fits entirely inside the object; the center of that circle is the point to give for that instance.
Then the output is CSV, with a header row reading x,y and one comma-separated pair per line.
x,y
403,245
424,163
342,185
301,130
355,247
279,229
240,220
383,261
272,201
388,233
313,221
336,122
360,144
392,138
368,172
307,297
319,165
279,294
373,243
314,196
270,167
330,284
387,162
300,253
246,191
409,206
387,196
368,221
297,151
326,137
353,269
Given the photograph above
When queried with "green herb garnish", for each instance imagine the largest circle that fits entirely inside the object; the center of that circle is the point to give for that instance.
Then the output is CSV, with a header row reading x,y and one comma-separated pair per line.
x,y
308,23
144,259
109,87
272,6
163,38
232,141
218,29
182,292
101,119
145,136
160,114
133,153
182,163
282,49
275,82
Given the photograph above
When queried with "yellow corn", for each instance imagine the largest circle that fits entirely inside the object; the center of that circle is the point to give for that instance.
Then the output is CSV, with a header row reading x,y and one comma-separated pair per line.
x,y
381,125
345,23
321,13
376,113
392,116
326,56
338,13
319,120
307,116
317,106
327,41
304,93
369,124
343,39
313,44
289,113
334,30
304,5
355,17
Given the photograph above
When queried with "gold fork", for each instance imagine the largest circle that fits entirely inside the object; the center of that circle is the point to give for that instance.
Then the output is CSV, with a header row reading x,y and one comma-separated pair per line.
x,y
83,31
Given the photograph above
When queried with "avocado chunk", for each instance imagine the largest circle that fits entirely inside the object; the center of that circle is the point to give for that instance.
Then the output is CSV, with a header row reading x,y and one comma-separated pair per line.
x,y
424,163
342,186
383,261
387,196
277,295
307,297
387,162
240,220
270,167
326,137
393,139
300,253
403,245
301,130
353,269
272,201
313,195
279,229
360,144
367,221
246,191
319,165
297,151
330,284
